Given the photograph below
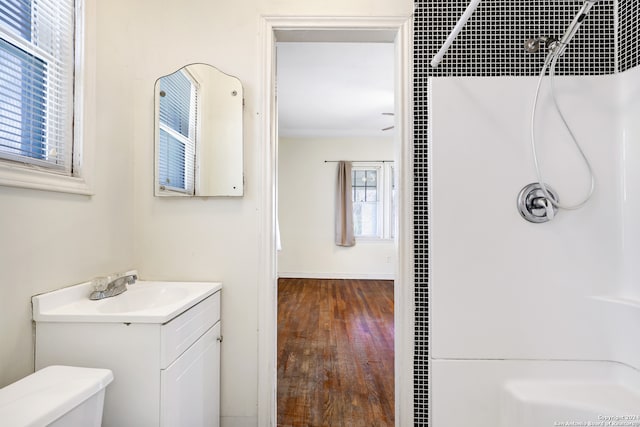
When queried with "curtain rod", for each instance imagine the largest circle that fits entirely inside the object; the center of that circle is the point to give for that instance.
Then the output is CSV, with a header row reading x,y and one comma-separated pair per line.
x,y
360,161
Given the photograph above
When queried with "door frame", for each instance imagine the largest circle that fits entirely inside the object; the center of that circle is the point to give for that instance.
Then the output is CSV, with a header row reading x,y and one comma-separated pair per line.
x,y
353,29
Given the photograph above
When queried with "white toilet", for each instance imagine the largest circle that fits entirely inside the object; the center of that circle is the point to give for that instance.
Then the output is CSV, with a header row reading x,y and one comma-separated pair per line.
x,y
57,396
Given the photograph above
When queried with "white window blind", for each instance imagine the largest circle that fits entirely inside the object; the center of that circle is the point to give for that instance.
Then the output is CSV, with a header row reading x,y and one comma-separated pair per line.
x,y
36,82
178,129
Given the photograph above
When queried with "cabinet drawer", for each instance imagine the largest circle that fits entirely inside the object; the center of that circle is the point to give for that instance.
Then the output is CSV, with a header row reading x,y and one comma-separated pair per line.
x,y
180,333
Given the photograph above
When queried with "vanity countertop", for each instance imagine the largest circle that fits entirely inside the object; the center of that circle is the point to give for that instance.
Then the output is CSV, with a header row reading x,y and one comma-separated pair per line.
x,y
143,302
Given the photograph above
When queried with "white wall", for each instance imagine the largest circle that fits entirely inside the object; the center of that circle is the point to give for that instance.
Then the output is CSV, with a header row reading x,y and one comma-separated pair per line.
x,y
501,287
306,197
215,238
51,240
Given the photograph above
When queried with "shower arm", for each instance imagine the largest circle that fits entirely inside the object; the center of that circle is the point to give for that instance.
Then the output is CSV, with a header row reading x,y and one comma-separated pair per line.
x,y
561,46
454,33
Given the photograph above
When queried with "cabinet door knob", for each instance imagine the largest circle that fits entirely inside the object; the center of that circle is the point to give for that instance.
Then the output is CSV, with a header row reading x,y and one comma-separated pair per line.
x,y
219,339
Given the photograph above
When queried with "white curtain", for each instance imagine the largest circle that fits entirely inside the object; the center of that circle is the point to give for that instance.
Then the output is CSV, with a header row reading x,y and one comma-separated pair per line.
x,y
344,206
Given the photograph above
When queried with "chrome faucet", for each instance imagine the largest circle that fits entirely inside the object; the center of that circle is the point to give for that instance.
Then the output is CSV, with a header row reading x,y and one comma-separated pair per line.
x,y
106,287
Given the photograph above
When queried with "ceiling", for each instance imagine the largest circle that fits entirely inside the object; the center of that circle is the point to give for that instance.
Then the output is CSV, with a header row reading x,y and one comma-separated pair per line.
x,y
335,89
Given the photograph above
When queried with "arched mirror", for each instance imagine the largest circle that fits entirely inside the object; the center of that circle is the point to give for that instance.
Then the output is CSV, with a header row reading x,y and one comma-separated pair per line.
x,y
198,133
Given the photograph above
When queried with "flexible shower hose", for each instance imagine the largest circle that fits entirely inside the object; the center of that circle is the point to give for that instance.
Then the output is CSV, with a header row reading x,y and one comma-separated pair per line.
x,y
550,62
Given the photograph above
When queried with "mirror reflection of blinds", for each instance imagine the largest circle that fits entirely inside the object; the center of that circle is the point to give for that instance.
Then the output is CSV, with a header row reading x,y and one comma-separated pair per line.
x,y
15,16
172,161
177,139
36,82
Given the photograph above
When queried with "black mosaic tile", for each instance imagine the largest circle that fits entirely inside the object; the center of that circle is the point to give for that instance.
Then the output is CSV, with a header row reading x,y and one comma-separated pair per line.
x,y
628,34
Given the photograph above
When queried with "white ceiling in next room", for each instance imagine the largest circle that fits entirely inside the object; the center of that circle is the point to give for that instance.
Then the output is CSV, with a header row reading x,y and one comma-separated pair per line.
x,y
335,89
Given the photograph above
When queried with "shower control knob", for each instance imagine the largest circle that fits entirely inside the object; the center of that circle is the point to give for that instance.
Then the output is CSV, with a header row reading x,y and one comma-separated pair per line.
x,y
533,204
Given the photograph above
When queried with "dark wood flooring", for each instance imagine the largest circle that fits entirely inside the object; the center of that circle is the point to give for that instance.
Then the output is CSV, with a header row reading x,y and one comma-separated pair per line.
x,y
335,353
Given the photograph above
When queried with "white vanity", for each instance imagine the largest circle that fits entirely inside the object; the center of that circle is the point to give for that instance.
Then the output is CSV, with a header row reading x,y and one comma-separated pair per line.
x,y
160,339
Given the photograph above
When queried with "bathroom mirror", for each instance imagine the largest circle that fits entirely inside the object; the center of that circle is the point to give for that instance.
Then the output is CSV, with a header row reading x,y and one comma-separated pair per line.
x,y
198,133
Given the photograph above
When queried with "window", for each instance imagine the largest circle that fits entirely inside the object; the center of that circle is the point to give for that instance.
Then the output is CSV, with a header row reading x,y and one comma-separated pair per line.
x,y
178,120
37,83
374,201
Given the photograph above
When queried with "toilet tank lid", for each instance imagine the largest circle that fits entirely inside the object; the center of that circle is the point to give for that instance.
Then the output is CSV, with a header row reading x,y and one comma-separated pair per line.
x,y
48,394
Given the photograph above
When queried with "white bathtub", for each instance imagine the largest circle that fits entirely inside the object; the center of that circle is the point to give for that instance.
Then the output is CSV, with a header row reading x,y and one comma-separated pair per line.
x,y
536,403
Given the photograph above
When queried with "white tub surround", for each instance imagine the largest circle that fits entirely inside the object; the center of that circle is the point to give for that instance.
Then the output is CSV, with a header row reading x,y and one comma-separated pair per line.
x,y
539,315
528,393
533,403
504,288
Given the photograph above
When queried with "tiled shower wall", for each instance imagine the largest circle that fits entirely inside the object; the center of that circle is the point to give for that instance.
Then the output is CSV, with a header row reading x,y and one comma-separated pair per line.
x,y
491,44
628,34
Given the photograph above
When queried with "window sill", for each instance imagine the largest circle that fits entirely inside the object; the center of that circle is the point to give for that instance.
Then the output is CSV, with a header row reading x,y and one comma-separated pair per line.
x,y
374,240
27,177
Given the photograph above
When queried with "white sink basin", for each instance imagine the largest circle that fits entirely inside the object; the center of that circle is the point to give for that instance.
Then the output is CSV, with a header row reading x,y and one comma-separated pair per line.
x,y
143,298
143,302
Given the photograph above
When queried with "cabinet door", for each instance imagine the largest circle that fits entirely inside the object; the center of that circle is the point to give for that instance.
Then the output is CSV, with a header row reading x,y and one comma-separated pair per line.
x,y
190,386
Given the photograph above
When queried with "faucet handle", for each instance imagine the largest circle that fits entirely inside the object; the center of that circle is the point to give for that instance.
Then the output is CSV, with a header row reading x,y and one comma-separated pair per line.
x,y
100,283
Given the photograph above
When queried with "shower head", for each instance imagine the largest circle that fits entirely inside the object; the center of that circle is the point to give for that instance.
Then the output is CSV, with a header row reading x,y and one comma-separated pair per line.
x,y
573,27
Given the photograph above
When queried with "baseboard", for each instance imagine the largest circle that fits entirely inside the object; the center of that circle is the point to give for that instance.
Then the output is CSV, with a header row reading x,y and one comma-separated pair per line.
x,y
238,421
360,276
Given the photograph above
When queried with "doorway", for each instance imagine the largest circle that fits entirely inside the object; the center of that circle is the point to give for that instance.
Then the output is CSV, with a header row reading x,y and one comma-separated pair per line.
x,y
356,30
335,308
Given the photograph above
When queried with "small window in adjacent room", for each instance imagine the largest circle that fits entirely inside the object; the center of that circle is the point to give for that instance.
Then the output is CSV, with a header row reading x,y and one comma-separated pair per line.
x,y
373,200
178,124
37,84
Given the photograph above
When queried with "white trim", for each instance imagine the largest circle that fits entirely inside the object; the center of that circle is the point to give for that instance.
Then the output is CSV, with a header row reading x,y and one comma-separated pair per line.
x,y
82,143
338,276
365,240
331,133
404,289
400,28
29,177
267,291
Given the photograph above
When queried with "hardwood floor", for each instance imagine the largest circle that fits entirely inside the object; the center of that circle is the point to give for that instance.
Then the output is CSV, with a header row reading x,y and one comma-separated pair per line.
x,y
335,353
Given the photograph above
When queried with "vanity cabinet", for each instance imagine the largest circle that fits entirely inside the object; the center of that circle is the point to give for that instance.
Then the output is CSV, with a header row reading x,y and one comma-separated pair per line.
x,y
185,377
165,374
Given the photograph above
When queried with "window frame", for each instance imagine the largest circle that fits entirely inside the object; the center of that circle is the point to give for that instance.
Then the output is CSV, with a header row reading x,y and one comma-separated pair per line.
x,y
20,174
385,208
